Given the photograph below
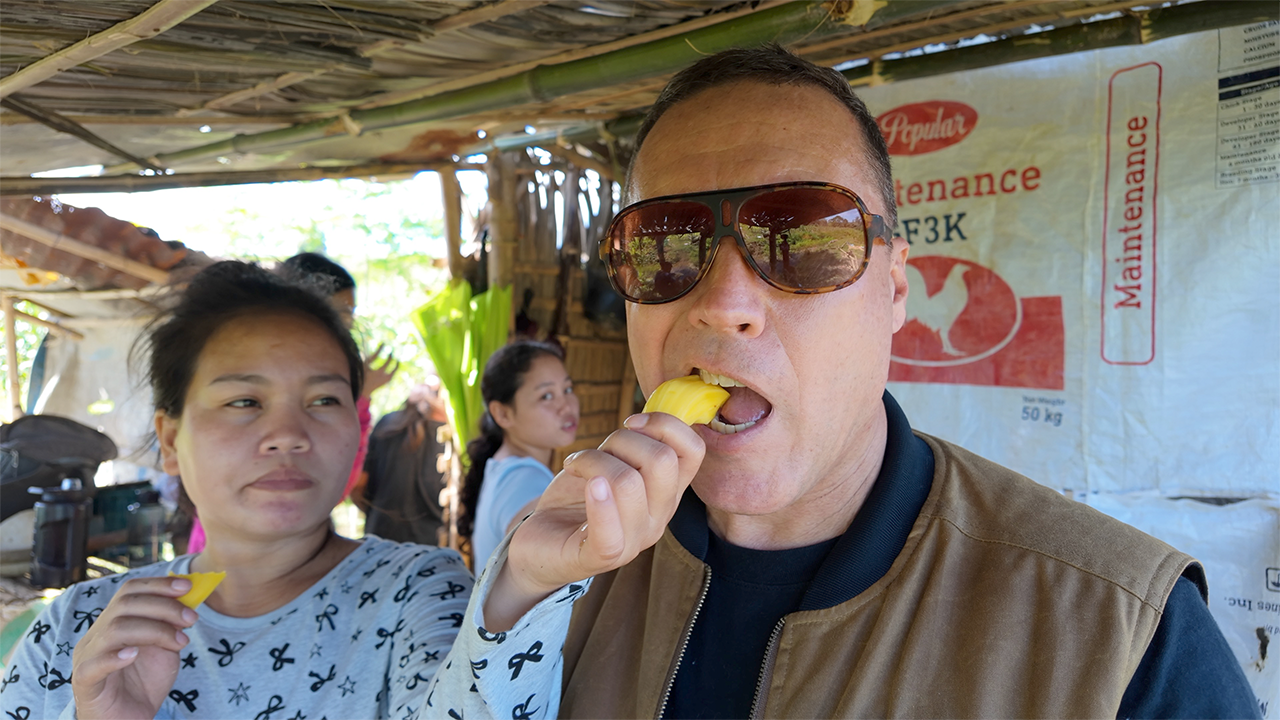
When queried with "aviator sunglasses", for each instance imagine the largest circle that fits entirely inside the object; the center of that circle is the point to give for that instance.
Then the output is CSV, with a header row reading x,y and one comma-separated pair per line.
x,y
800,237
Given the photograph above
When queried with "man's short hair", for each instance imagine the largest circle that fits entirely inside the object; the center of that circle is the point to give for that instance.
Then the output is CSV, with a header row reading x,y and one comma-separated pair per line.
x,y
772,64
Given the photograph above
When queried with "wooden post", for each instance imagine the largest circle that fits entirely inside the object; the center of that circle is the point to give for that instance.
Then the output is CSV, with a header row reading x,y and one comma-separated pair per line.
x,y
503,236
11,359
451,192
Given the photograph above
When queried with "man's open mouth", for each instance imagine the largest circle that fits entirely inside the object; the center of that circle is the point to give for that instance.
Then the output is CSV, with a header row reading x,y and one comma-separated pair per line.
x,y
744,408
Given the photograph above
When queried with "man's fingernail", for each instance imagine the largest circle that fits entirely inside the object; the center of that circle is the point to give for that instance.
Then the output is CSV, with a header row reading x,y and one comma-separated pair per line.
x,y
635,422
599,489
180,584
573,456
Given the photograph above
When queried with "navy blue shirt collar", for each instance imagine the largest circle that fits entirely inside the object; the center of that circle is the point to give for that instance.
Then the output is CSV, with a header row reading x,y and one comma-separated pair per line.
x,y
866,550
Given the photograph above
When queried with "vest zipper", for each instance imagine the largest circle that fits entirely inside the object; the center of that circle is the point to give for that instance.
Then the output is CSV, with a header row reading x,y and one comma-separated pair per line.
x,y
766,669
684,643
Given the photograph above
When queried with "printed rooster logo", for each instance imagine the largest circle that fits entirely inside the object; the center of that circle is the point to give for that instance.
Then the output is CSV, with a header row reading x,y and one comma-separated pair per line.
x,y
938,311
965,325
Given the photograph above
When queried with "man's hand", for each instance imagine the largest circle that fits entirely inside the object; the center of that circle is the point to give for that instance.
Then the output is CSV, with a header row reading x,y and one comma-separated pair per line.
x,y
126,663
605,508
378,371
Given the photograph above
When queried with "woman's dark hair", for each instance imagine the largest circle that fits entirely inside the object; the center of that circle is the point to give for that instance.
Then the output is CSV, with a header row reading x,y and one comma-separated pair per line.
x,y
220,293
503,375
318,269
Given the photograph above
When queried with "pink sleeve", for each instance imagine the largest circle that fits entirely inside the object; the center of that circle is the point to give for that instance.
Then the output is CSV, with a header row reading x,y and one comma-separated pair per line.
x,y
366,419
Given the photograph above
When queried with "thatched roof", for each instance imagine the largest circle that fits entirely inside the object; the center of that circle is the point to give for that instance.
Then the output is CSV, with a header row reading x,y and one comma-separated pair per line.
x,y
292,86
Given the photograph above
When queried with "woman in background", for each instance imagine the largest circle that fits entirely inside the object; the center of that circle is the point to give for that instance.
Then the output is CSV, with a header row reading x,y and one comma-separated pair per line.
x,y
400,493
530,410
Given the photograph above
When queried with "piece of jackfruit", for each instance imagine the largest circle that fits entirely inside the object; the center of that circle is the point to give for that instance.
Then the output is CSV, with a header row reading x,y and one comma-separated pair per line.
x,y
689,399
202,586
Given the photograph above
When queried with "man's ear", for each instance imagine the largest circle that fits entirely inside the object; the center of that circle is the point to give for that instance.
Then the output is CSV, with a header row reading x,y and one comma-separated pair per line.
x,y
898,274
167,433
502,414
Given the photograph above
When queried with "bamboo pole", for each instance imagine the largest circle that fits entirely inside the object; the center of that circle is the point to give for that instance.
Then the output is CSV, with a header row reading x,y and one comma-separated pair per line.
x,y
783,24
52,326
995,29
451,192
58,123
483,14
137,183
14,410
262,88
151,22
89,252
146,120
46,308
401,96
1127,30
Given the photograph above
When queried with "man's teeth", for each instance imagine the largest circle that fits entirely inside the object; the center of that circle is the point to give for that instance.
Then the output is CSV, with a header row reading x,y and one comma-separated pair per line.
x,y
727,429
717,424
721,380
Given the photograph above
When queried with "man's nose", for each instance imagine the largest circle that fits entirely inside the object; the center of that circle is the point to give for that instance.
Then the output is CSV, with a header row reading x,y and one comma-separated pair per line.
x,y
731,297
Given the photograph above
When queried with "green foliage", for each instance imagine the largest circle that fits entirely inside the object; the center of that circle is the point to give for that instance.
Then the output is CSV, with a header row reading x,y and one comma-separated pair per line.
x,y
460,333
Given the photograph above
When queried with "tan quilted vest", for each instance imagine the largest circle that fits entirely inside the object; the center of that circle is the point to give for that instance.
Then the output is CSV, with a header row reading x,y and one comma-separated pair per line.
x,y
1008,600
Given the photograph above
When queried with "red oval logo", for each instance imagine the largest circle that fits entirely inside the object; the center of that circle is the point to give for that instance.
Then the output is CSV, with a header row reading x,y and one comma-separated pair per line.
x,y
958,312
921,128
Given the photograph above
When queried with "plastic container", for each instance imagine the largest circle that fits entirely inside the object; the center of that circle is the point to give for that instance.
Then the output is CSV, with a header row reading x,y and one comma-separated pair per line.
x,y
147,529
59,551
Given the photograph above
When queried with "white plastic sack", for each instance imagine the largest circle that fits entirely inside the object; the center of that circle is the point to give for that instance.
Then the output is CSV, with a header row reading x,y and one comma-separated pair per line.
x,y
1095,263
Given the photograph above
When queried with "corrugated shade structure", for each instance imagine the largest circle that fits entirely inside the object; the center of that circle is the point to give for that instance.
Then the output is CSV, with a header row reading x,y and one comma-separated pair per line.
x,y
203,90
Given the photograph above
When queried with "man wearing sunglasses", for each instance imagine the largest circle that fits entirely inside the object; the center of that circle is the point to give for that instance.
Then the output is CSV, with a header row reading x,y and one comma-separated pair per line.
x,y
827,561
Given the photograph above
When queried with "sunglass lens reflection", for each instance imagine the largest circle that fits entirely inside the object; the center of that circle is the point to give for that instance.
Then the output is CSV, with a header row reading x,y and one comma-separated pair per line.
x,y
658,249
804,238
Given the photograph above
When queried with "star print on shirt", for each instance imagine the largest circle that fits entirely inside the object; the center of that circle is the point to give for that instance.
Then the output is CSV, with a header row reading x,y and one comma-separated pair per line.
x,y
315,650
64,648
346,587
348,686
299,716
238,694
91,591
356,635
189,661
324,593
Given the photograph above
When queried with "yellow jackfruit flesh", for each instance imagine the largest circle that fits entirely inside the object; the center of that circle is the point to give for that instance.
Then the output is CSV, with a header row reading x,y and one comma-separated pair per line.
x,y
202,586
688,398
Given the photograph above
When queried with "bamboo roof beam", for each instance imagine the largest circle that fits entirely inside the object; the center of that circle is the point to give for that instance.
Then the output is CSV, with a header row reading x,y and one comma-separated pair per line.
x,y
285,80
1130,29
147,24
51,326
484,14
57,122
454,22
81,249
17,185
400,96
13,118
979,12
993,29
